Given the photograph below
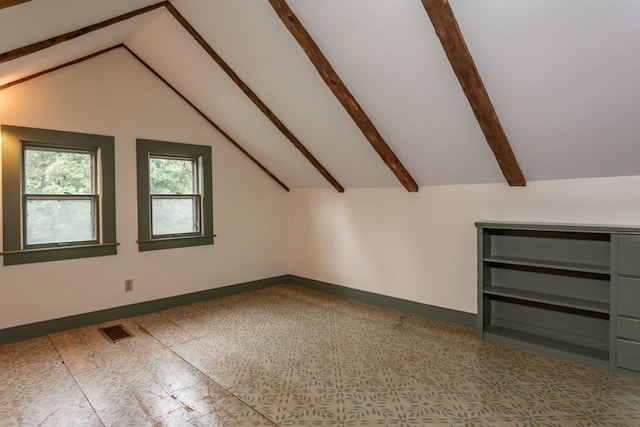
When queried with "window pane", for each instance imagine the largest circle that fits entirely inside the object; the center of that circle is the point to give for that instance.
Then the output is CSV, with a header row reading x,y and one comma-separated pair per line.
x,y
57,172
58,221
174,216
171,176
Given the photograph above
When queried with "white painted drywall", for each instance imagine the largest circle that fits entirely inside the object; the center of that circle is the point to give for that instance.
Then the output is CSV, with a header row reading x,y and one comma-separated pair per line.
x,y
114,95
422,247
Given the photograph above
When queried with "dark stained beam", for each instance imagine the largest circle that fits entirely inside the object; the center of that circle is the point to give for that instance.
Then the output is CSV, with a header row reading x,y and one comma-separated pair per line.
x,y
9,3
58,67
155,73
53,41
446,26
343,94
208,120
252,96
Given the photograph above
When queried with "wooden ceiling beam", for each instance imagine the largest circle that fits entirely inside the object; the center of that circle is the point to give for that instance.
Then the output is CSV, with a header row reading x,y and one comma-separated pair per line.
x,y
253,97
9,3
208,120
155,73
53,41
58,67
448,31
342,93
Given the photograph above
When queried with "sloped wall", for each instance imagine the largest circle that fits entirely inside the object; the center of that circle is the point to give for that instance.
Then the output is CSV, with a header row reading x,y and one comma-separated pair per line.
x,y
114,95
422,247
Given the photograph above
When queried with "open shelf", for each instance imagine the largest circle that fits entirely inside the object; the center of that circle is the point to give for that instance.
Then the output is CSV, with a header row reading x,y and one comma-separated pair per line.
x,y
552,264
561,301
561,289
547,288
547,345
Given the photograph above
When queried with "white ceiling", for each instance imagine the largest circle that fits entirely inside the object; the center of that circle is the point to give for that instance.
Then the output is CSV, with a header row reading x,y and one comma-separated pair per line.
x,y
564,78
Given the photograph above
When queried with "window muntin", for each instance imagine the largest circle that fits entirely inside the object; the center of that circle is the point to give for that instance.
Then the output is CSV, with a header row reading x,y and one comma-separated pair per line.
x,y
175,199
60,197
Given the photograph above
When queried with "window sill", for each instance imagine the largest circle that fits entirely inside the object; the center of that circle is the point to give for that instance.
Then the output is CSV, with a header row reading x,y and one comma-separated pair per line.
x,y
174,242
27,256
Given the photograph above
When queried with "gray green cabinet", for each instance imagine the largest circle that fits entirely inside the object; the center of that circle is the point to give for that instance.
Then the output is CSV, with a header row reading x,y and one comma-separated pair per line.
x,y
627,320
571,291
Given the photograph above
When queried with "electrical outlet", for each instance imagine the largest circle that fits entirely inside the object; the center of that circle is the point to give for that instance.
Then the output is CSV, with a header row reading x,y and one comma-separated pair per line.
x,y
128,285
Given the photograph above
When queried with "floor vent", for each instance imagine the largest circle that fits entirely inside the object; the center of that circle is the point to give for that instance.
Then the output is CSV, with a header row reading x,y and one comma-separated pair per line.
x,y
115,333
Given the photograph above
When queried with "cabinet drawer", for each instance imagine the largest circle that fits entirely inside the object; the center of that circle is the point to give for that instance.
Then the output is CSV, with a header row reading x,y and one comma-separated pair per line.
x,y
629,297
628,328
629,355
629,254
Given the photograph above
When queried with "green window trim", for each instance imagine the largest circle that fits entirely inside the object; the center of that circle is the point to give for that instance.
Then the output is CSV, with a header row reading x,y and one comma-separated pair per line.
x,y
145,149
14,248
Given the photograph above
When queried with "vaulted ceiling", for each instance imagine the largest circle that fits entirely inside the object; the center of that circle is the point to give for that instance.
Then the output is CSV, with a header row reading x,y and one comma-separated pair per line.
x,y
374,93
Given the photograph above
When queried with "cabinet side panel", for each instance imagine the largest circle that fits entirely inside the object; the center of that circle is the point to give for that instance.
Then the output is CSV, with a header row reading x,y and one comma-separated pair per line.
x,y
629,254
613,295
481,318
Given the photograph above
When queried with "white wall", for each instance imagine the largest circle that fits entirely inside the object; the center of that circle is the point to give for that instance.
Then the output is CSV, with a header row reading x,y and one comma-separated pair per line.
x,y
419,247
114,95
422,247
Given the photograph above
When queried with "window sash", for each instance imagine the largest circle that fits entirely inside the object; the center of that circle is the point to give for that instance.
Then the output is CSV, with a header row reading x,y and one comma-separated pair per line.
x,y
93,196
197,220
60,149
195,171
95,230
195,196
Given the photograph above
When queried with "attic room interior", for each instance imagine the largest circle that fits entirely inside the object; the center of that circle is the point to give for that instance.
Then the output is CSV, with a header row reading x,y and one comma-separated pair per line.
x,y
337,212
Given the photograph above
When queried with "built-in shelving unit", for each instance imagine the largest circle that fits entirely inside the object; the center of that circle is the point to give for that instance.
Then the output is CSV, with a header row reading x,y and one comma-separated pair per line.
x,y
553,288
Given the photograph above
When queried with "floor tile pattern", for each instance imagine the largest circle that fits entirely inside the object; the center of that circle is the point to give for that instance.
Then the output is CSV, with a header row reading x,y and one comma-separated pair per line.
x,y
291,356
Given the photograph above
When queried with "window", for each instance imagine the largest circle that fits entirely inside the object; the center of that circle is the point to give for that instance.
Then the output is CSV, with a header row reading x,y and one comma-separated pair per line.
x,y
59,202
58,195
174,195
174,187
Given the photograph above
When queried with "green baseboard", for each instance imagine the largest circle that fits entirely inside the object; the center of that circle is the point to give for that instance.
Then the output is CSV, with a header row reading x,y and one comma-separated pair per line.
x,y
445,314
33,330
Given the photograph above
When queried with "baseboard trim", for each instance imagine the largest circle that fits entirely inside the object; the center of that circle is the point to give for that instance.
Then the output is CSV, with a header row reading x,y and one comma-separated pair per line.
x,y
38,329
432,311
33,330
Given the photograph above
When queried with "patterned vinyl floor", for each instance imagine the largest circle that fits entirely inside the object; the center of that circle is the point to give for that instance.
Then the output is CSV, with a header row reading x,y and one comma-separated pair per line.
x,y
287,355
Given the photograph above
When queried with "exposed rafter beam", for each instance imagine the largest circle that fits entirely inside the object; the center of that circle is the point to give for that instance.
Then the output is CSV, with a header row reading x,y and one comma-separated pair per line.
x,y
36,47
446,26
9,3
208,120
252,96
343,94
58,67
154,72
